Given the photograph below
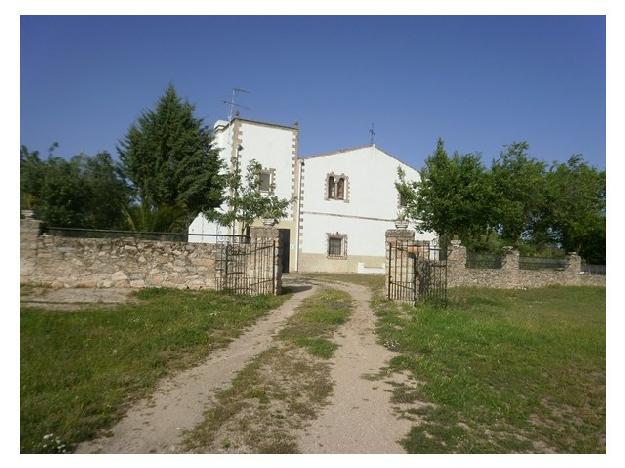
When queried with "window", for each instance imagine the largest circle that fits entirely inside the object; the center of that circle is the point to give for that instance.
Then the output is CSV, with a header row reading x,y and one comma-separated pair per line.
x,y
337,187
335,246
340,189
265,181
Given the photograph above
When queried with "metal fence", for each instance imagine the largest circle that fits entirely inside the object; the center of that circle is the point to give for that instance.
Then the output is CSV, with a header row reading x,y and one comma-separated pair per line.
x,y
416,273
248,269
542,263
146,235
483,260
593,269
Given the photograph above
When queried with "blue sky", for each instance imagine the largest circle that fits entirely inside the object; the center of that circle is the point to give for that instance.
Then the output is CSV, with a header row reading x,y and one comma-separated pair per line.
x,y
479,82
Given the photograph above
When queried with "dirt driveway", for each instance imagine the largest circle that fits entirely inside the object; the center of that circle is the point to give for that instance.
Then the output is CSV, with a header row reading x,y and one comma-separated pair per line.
x,y
156,424
358,419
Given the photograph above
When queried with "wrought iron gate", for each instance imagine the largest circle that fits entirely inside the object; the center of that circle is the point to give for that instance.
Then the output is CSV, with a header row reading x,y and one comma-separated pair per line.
x,y
246,268
416,272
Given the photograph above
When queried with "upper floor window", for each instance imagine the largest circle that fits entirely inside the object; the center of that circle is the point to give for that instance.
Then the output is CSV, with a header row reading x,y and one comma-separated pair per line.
x,y
337,187
265,181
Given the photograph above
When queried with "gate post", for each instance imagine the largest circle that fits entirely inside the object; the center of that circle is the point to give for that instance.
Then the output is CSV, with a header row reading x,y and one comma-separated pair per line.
x,y
30,229
456,263
391,237
270,235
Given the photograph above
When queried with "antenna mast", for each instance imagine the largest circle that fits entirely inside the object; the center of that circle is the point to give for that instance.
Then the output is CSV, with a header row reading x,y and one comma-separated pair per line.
x,y
372,131
233,103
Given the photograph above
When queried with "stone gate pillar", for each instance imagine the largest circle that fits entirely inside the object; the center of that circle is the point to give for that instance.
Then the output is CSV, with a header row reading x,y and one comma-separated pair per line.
x,y
270,234
573,268
30,228
510,268
456,263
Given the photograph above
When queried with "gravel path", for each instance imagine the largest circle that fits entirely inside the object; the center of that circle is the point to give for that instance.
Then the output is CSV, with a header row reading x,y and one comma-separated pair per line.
x,y
360,417
155,425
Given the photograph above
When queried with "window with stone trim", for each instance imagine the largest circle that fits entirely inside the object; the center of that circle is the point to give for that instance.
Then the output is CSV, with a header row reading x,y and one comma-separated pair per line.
x,y
265,180
336,187
337,245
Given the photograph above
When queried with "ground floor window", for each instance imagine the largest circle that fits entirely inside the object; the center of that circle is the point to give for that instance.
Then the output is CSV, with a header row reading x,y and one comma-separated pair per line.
x,y
337,245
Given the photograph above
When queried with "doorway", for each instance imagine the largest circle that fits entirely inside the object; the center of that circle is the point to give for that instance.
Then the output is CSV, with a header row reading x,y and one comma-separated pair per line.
x,y
285,248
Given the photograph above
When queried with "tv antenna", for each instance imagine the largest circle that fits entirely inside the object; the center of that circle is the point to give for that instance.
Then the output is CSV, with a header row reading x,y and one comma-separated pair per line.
x,y
372,131
233,101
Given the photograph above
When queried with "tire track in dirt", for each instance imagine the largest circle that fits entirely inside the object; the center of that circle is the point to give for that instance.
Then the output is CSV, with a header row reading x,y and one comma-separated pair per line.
x,y
156,424
360,417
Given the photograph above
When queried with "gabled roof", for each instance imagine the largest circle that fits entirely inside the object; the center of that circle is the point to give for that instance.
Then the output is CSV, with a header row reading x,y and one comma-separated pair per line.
x,y
355,148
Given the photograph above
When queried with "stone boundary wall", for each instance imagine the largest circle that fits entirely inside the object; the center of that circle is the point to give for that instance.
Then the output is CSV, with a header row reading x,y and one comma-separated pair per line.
x,y
127,262
113,262
509,276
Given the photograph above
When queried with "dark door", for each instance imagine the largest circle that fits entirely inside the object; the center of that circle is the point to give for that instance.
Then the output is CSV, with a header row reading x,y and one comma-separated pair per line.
x,y
285,248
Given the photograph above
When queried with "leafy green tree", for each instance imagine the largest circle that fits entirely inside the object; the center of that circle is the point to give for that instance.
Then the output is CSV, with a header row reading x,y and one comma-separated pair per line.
x,y
453,197
575,207
107,191
169,158
519,184
245,202
85,192
31,178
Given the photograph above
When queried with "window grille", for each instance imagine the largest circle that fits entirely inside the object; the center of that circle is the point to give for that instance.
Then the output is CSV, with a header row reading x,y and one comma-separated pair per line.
x,y
335,246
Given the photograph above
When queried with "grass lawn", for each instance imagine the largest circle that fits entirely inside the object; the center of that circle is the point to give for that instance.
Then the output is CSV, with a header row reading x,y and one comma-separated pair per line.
x,y
79,370
317,318
502,370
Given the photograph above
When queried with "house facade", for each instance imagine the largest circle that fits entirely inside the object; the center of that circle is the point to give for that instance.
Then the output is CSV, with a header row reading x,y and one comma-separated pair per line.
x,y
344,200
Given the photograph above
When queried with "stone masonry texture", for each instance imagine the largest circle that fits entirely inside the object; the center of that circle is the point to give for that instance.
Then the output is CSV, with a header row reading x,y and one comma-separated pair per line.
x,y
113,262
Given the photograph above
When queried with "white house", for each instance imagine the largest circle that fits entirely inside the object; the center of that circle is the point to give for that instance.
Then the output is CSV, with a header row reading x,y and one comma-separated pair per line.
x,y
275,147
346,200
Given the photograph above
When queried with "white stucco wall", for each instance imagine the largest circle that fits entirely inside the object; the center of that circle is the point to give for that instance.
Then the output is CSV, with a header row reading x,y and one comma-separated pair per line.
x,y
272,146
370,211
371,176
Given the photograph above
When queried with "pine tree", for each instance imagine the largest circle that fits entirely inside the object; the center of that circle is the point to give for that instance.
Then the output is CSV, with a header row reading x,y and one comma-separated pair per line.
x,y
169,158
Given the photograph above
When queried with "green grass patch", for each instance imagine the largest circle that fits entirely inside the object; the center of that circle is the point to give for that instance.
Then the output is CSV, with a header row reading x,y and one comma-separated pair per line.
x,y
80,370
269,400
315,321
504,370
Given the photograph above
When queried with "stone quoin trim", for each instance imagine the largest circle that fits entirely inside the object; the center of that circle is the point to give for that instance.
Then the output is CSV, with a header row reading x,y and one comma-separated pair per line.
x,y
234,158
300,204
345,198
343,255
294,170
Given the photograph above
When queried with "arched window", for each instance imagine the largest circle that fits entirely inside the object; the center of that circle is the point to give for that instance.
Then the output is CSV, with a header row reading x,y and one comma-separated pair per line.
x,y
331,187
340,189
